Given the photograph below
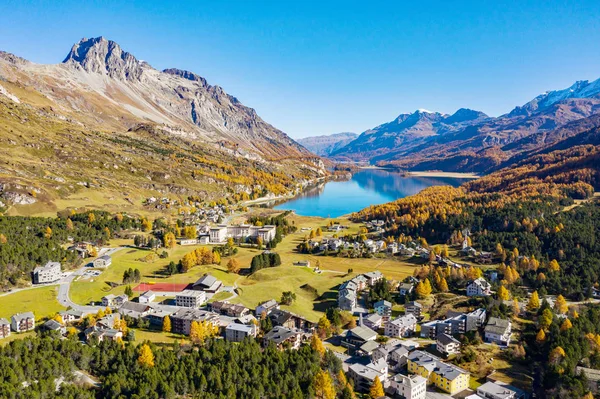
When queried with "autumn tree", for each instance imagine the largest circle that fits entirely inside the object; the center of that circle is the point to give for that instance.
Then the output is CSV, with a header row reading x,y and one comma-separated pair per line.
x,y
541,336
189,232
233,265
553,265
169,240
146,225
166,327
91,217
545,319
534,302
324,327
556,355
566,325
443,285
317,345
69,224
376,390
48,232
516,307
503,293
324,388
216,258
560,305
200,331
146,357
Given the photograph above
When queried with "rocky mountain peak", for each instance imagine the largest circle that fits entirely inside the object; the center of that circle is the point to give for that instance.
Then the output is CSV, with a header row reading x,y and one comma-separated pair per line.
x,y
464,115
99,55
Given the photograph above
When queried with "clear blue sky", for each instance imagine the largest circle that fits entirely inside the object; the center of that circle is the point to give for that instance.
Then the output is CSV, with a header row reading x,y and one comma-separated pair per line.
x,y
323,67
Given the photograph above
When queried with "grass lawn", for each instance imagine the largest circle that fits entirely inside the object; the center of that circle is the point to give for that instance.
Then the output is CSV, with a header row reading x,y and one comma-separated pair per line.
x,y
41,301
157,336
14,336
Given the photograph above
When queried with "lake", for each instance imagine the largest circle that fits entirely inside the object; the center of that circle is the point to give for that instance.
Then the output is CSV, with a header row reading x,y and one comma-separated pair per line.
x,y
367,187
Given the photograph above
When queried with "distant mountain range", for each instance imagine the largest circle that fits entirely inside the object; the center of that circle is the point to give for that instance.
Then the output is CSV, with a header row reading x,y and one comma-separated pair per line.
x,y
103,118
470,140
327,144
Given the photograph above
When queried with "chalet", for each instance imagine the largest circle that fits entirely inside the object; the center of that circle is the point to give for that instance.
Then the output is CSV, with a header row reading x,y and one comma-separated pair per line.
x,y
266,307
235,332
4,328
112,301
283,338
287,319
108,321
102,261
207,283
228,309
100,334
479,287
71,315
357,337
414,308
48,273
53,325
135,310
22,322
498,331
402,326
446,344
147,297
384,309
190,298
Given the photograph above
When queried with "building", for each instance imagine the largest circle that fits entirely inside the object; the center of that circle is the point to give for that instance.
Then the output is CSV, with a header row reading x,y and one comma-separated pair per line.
x,y
101,334
113,301
48,273
363,375
4,328
208,283
498,331
384,309
447,377
456,323
157,317
109,321
53,325
398,356
190,298
22,322
181,320
266,307
406,288
188,241
373,277
135,310
447,344
409,387
71,315
414,308
287,319
357,337
491,390
479,287
147,297
235,332
347,296
103,261
372,321
218,234
284,338
228,309
403,326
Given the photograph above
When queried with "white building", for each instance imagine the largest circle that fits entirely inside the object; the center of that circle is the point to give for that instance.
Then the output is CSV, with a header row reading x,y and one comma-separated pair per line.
x,y
147,297
447,344
384,309
111,300
364,375
235,332
492,390
188,241
48,273
479,287
22,322
190,298
402,326
498,331
103,261
266,307
218,234
409,387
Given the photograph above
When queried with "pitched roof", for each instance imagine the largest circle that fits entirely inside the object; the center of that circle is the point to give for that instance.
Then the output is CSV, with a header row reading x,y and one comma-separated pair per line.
x,y
364,333
208,281
382,303
446,339
280,334
497,326
495,390
22,316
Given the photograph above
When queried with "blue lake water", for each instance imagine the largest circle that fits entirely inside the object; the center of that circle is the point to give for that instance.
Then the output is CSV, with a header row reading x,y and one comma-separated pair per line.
x,y
367,187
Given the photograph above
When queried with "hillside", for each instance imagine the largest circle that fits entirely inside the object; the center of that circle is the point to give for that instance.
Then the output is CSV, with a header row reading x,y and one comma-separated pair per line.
x,y
103,119
475,142
327,144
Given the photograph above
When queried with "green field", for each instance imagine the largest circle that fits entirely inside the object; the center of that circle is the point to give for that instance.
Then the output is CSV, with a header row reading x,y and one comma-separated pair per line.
x,y
41,301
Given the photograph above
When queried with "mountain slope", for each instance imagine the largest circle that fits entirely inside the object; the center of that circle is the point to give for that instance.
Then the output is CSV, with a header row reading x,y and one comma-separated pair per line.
x,y
327,144
102,118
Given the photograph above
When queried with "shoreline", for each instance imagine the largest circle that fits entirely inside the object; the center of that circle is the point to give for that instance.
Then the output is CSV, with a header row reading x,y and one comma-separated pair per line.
x,y
457,175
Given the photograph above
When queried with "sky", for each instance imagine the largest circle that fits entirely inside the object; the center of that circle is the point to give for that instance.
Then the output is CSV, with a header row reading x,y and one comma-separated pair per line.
x,y
322,67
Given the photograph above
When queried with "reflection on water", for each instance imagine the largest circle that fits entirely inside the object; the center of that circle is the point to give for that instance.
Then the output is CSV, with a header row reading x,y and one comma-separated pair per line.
x,y
367,187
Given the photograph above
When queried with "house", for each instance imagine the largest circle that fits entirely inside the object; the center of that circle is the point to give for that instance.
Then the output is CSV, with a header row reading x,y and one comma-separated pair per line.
x,y
498,331
357,337
203,239
235,332
287,319
188,241
112,301
266,307
403,326
48,273
372,321
457,323
406,288
228,309
283,338
21,322
384,309
108,321
71,315
135,310
373,277
157,317
190,298
101,334
414,308
363,375
147,297
398,356
181,320
53,325
447,377
491,390
207,283
4,328
102,261
217,234
446,344
347,299
479,287
409,387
